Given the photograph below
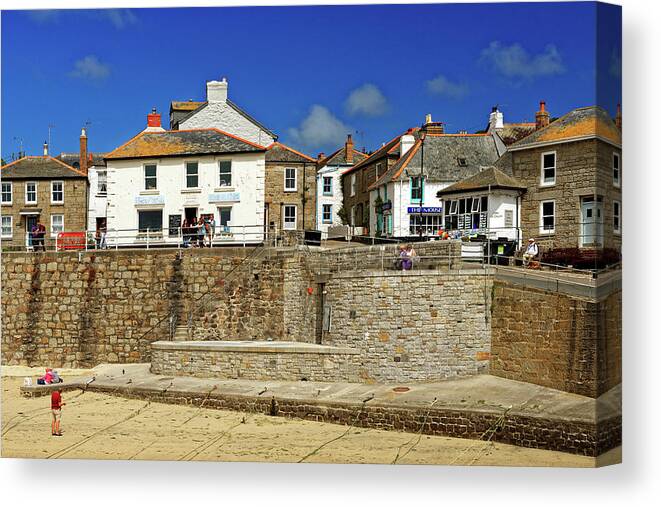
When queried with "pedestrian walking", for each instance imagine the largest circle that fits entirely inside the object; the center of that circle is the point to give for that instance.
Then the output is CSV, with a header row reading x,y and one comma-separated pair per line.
x,y
56,404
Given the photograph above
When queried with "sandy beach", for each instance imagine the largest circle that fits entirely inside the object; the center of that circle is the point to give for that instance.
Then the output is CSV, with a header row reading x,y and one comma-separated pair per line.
x,y
100,426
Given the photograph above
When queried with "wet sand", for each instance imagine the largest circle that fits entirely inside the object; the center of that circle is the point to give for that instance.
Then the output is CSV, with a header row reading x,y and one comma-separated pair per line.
x,y
100,426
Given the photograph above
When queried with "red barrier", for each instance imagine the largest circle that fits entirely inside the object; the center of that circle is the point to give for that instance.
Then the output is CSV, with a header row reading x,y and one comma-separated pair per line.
x,y
70,241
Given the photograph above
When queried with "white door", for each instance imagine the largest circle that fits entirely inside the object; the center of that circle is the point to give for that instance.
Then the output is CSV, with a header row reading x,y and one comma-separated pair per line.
x,y
592,222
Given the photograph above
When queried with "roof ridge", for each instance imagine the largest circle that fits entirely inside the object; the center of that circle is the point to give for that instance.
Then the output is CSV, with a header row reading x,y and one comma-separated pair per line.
x,y
290,149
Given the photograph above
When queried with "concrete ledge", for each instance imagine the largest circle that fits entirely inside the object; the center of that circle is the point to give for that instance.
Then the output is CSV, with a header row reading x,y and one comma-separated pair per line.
x,y
267,347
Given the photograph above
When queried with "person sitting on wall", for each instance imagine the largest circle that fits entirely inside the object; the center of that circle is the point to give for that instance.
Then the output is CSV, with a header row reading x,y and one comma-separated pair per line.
x,y
531,252
407,257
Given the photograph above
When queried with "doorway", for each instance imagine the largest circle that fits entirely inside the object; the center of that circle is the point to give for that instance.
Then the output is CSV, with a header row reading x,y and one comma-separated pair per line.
x,y
592,222
30,222
190,214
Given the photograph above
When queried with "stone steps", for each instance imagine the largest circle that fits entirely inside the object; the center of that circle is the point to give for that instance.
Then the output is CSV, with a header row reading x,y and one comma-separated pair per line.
x,y
180,334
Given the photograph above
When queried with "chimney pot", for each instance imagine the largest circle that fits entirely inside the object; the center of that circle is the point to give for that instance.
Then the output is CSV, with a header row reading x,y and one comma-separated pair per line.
x,y
542,117
82,160
427,118
217,90
45,149
348,149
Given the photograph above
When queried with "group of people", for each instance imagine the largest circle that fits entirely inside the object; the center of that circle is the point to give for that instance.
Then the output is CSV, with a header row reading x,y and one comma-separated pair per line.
x,y
405,258
195,230
37,234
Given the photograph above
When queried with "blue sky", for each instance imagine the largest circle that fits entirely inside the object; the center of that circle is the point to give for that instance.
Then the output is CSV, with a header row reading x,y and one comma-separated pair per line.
x,y
311,74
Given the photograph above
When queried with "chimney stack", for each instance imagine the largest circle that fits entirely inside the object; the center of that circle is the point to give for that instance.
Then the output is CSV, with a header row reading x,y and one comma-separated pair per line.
x,y
154,119
217,91
321,156
496,119
618,117
542,117
83,151
427,118
348,150
45,149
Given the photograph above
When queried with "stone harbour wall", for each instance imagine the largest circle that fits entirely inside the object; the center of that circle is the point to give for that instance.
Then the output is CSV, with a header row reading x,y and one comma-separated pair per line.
x,y
410,326
556,340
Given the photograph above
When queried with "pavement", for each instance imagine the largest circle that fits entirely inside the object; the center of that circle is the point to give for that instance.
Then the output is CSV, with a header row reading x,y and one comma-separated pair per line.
x,y
481,393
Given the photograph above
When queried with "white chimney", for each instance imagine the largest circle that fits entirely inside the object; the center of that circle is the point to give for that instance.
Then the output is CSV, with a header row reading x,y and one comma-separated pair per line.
x,y
496,120
45,149
406,142
217,91
427,118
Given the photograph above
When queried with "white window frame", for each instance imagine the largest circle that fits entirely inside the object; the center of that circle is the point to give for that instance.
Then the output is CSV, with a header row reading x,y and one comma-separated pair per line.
x,y
323,185
220,182
353,184
286,179
98,182
330,213
11,226
52,192
53,232
454,207
543,183
285,223
144,178
36,193
186,175
617,182
541,217
618,229
11,193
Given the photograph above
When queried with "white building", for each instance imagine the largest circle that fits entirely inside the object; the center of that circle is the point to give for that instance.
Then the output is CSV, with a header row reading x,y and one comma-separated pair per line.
x,y
218,111
159,179
404,199
329,184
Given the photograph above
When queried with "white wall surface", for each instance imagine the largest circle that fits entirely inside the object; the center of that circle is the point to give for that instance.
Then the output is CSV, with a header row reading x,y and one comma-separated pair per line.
x,y
96,205
335,200
126,187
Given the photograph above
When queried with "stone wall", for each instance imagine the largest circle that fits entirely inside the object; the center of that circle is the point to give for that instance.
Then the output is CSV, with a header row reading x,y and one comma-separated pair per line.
x,y
276,197
412,326
556,340
62,310
259,362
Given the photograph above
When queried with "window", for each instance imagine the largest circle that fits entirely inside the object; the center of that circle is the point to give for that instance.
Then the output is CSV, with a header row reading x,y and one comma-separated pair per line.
x,y
416,188
509,218
151,219
102,183
353,184
56,224
7,226
225,172
150,177
225,215
31,192
290,179
617,213
192,179
616,169
430,224
547,217
377,173
289,217
548,168
461,162
328,185
467,213
6,192
327,214
57,192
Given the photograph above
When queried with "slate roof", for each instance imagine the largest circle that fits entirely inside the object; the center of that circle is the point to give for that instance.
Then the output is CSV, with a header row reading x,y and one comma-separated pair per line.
x,y
201,105
173,143
583,122
392,147
513,132
338,157
488,178
448,157
278,152
39,168
73,159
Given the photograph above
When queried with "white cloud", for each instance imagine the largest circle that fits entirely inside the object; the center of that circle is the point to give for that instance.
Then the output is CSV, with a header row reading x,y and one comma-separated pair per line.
x,y
90,68
515,62
320,128
366,100
441,85
120,18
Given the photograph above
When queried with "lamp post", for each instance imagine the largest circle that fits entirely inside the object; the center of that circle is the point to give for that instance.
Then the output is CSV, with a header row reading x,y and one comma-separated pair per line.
x,y
423,134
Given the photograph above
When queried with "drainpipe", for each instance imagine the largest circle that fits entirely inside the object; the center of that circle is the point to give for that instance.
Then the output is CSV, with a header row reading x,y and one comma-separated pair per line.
x,y
303,198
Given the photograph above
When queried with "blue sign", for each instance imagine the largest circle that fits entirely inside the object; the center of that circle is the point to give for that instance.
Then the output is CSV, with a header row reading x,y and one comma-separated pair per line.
x,y
425,209
224,197
386,206
147,200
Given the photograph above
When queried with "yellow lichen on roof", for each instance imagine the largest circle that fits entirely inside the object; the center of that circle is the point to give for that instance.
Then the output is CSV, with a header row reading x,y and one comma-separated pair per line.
x,y
148,145
186,105
590,126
